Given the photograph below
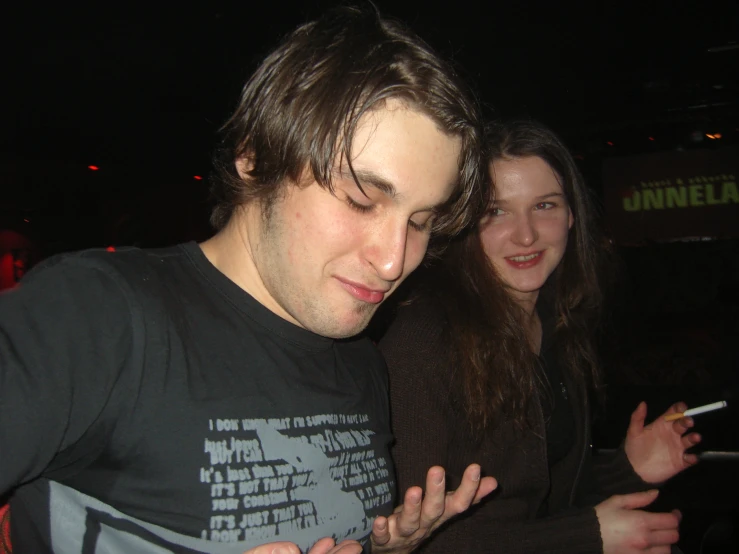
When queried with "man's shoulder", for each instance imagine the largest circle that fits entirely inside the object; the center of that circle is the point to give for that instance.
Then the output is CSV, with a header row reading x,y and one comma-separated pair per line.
x,y
122,259
96,281
127,264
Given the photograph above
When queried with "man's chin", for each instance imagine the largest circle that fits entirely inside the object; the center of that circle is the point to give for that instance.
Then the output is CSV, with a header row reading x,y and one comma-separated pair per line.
x,y
346,332
351,326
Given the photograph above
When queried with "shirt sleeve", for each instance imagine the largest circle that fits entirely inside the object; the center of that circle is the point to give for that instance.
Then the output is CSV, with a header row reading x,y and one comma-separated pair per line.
x,y
573,532
410,350
612,473
65,336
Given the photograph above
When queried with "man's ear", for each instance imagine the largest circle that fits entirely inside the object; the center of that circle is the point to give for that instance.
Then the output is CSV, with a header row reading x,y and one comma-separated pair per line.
x,y
244,165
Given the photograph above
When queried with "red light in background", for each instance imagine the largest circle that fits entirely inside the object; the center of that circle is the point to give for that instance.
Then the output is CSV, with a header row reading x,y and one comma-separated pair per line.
x,y
197,177
111,249
609,143
651,138
26,220
93,167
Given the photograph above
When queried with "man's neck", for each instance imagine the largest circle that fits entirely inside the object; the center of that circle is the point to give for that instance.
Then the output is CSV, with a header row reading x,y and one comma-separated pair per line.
x,y
231,252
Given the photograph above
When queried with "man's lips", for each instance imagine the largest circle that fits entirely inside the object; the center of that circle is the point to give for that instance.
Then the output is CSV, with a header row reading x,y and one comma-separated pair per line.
x,y
363,292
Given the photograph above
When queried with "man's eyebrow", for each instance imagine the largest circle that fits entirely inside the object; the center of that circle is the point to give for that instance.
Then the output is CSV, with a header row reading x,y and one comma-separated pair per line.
x,y
372,179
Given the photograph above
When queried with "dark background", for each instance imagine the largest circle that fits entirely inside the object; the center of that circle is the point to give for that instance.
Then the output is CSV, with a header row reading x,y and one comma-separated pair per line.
x,y
139,92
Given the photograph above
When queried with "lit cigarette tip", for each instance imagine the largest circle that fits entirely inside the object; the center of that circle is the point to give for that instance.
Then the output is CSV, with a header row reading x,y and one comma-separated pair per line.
x,y
698,410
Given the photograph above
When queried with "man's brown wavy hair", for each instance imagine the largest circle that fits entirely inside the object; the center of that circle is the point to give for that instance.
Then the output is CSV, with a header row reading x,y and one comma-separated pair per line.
x,y
301,108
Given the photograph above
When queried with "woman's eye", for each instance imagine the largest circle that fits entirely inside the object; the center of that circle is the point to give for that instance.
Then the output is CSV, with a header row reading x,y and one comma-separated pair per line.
x,y
490,215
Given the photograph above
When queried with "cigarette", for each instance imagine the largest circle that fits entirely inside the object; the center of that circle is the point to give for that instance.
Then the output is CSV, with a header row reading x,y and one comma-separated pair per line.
x,y
698,410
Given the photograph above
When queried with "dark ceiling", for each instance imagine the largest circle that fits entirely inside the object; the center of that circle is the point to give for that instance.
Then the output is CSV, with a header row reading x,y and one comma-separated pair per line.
x,y
130,82
143,90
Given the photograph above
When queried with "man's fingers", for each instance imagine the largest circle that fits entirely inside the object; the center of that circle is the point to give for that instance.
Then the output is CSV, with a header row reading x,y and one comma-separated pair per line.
x,y
461,499
420,514
280,548
380,531
412,497
346,547
323,546
434,502
409,518
487,485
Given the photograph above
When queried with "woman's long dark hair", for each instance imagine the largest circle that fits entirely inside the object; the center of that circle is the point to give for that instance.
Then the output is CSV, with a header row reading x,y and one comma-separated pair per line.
x,y
494,362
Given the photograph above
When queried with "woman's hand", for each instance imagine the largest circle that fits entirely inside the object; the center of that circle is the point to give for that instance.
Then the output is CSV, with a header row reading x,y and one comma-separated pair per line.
x,y
657,451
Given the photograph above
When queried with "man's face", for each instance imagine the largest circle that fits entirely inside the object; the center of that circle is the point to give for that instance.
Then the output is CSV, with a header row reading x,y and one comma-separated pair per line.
x,y
326,261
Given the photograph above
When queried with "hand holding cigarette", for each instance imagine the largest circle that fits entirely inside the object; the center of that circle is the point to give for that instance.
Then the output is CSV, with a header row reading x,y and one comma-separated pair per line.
x,y
696,411
660,450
